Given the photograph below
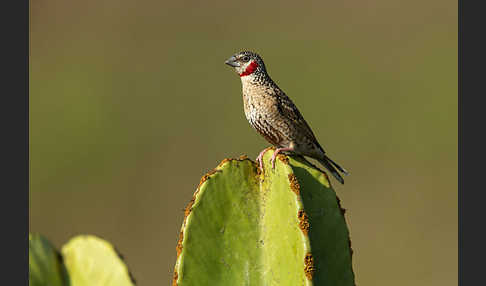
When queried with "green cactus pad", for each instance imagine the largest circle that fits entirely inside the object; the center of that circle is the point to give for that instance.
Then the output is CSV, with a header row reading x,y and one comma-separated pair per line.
x,y
45,263
93,261
282,227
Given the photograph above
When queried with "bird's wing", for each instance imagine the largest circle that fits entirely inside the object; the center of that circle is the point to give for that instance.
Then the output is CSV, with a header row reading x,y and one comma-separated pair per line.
x,y
289,111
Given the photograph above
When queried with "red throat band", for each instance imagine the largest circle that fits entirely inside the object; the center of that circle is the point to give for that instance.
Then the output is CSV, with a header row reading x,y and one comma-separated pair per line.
x,y
250,69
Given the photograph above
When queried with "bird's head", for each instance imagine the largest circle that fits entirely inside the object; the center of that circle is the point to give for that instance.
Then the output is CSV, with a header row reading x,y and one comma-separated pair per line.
x,y
246,63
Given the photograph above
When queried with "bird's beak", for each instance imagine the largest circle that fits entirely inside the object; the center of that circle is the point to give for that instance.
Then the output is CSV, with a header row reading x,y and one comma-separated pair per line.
x,y
232,62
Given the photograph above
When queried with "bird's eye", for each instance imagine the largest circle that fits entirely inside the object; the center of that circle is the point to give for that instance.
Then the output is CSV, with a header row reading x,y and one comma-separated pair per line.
x,y
245,58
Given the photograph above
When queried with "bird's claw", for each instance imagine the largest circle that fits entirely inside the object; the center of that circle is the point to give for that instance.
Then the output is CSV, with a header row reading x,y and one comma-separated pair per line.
x,y
260,163
273,162
259,159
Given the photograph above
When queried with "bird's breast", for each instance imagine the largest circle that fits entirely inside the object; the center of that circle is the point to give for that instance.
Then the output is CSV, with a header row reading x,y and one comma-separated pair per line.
x,y
262,114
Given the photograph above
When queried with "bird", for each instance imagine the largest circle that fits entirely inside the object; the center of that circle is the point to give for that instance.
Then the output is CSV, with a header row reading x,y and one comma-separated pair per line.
x,y
274,116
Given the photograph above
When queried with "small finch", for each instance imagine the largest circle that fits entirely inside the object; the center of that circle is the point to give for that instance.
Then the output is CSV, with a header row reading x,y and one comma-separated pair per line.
x,y
272,114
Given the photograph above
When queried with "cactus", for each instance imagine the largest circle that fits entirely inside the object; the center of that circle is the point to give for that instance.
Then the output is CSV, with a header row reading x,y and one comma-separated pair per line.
x,y
45,263
282,227
93,261
85,260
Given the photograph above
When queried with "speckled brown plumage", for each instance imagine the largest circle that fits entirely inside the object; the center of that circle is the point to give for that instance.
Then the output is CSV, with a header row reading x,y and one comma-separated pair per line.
x,y
273,114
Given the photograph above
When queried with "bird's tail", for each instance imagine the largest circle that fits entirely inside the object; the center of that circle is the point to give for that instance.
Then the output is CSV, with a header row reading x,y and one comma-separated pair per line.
x,y
330,164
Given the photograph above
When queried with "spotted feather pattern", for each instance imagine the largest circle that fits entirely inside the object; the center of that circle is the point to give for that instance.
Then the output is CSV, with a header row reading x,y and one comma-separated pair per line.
x,y
273,114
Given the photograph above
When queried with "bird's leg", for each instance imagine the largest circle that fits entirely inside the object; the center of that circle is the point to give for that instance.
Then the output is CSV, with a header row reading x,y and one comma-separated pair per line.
x,y
259,159
276,153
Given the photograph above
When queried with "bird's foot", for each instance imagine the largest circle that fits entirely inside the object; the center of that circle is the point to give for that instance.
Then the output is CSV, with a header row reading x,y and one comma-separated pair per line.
x,y
278,150
259,159
273,159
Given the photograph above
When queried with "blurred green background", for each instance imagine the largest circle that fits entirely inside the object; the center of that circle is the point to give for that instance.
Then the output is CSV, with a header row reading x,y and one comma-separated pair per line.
x,y
131,103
